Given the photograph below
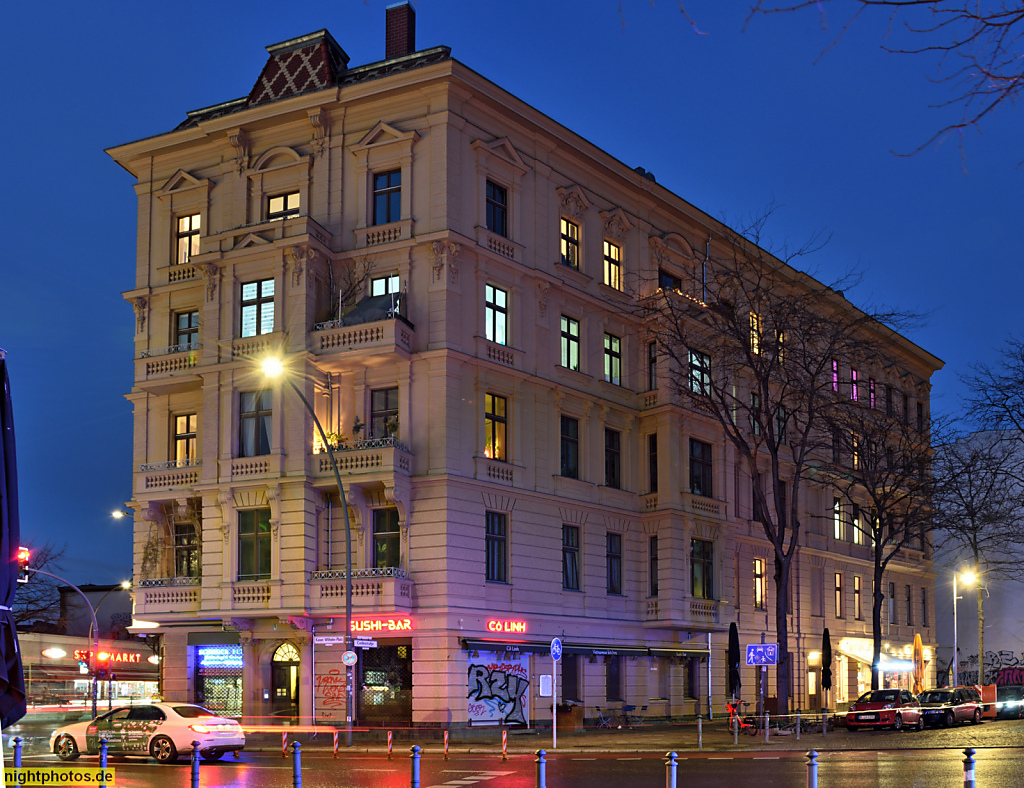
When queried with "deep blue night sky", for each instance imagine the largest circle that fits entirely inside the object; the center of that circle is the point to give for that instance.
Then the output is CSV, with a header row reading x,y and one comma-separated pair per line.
x,y
731,119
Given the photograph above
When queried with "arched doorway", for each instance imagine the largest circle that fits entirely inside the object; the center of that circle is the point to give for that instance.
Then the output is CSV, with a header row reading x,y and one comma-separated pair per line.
x,y
285,681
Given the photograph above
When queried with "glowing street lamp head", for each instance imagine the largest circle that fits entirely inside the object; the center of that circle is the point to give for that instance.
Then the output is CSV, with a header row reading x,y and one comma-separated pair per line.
x,y
272,366
126,584
968,578
118,514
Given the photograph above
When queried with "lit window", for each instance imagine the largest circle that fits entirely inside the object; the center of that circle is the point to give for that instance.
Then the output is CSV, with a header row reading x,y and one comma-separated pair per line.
x,y
835,375
613,265
387,538
185,438
255,415
856,526
281,206
495,426
840,607
759,601
613,359
755,333
497,209
700,373
854,387
257,308
570,343
188,238
838,526
858,610
387,197
384,285
496,314
570,244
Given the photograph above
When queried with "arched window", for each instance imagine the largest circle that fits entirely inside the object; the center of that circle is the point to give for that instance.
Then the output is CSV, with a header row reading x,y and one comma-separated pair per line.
x,y
286,652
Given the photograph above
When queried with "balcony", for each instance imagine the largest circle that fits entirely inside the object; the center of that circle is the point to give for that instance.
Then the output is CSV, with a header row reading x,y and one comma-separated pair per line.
x,y
251,595
681,613
171,475
703,507
292,229
383,233
380,456
165,595
385,590
167,362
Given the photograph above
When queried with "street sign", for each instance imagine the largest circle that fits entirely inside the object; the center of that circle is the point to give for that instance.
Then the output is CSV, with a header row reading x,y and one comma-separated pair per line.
x,y
763,654
363,643
329,640
349,658
556,649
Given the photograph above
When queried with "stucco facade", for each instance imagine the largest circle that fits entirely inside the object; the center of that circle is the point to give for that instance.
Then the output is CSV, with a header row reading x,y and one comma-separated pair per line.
x,y
250,214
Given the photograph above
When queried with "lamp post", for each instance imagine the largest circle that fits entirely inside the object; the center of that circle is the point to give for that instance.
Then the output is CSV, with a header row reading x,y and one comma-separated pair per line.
x,y
94,628
274,368
968,578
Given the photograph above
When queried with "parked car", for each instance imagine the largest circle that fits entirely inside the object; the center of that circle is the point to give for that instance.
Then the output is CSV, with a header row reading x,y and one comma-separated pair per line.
x,y
888,708
949,705
161,730
1010,703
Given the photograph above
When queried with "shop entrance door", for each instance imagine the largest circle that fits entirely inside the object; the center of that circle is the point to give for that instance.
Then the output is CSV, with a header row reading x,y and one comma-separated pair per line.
x,y
285,681
384,692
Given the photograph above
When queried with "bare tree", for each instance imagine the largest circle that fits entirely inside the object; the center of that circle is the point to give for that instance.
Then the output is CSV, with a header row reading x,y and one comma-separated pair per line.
x,y
880,470
979,505
750,341
997,400
983,41
38,600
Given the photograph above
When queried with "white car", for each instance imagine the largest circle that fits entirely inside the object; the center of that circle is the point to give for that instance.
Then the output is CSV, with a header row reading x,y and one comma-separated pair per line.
x,y
163,730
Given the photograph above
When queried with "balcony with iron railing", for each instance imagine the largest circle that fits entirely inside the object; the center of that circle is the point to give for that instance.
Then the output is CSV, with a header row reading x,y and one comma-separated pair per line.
x,y
373,456
169,475
377,325
164,362
374,590
167,595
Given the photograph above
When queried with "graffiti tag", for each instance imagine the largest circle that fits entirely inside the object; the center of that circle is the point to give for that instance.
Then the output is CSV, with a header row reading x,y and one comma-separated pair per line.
x,y
331,688
499,691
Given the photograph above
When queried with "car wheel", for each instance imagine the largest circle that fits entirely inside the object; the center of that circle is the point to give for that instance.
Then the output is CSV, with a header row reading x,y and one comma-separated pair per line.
x,y
211,755
948,719
920,723
977,716
897,723
163,749
65,748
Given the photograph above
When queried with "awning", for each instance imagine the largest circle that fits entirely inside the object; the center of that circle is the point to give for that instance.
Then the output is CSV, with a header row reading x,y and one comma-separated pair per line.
x,y
506,646
586,649
681,651
887,663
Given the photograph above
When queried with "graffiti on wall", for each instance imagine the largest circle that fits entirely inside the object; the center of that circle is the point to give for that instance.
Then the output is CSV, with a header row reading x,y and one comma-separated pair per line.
x,y
1001,667
498,686
330,690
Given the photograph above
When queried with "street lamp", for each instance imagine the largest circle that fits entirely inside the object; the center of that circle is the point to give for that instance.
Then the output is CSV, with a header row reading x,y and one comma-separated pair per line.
x,y
968,578
273,368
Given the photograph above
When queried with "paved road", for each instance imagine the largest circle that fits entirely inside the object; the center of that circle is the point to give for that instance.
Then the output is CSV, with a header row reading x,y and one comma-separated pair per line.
x,y
848,769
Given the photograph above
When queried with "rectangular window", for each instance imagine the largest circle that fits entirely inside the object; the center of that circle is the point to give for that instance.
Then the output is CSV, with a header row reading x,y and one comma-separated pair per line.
x,y
924,607
570,343
702,572
495,427
835,446
838,526
571,678
840,604
781,422
854,451
185,437
496,314
858,610
652,462
755,413
920,417
817,589
700,468
613,265
281,206
835,375
497,209
257,308
910,606
906,409
387,197
891,603
570,244
383,408
186,550
612,458
387,538
854,386
652,566
856,526
186,330
871,393
496,546
613,679
187,238
570,449
667,281
571,557
700,373
652,366
759,600
255,415
254,544
888,401
755,333
613,359
384,285
613,562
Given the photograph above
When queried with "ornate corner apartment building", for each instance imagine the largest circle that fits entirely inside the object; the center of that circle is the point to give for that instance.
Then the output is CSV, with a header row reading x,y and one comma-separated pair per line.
x,y
515,464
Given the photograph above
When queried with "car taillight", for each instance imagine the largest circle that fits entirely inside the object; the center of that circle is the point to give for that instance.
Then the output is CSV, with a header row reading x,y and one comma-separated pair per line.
x,y
199,728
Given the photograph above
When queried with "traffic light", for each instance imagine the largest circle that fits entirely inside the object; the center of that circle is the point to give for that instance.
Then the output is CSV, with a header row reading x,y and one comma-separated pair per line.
x,y
24,554
102,664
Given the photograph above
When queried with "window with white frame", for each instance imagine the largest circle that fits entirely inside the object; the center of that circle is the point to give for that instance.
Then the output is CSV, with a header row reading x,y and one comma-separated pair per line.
x,y
384,285
700,373
254,422
187,240
570,243
257,308
613,359
613,265
570,336
496,314
387,197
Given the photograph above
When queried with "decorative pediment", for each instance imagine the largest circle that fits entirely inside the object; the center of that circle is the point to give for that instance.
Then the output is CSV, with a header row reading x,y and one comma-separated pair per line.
x,y
616,223
278,156
573,201
572,516
250,498
617,524
499,503
504,150
671,244
250,239
182,181
384,134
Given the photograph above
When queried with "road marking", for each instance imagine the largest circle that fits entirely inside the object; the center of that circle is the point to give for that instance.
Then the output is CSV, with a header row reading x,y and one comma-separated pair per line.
x,y
720,759
772,758
584,759
629,759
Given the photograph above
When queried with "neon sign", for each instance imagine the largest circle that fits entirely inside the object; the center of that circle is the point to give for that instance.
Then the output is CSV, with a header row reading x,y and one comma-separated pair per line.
x,y
506,626
219,656
382,624
129,657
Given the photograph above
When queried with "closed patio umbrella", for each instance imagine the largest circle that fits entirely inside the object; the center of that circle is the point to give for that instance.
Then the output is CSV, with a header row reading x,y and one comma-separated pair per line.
x,y
734,660
826,663
918,673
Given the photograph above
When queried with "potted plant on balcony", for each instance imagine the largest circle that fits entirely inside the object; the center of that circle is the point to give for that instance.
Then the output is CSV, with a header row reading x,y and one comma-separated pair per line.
x,y
357,429
391,427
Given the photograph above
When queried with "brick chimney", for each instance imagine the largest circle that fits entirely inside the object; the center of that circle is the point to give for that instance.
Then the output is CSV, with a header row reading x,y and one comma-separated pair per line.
x,y
400,31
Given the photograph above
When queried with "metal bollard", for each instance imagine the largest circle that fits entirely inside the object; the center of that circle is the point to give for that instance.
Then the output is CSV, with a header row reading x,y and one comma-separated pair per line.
x,y
767,723
798,724
103,758
812,769
415,782
824,723
541,768
195,764
670,769
296,765
700,734
17,752
969,768
735,730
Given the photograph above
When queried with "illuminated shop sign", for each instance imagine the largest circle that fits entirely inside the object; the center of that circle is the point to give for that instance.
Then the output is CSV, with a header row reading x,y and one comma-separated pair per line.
x,y
219,656
124,657
382,624
506,626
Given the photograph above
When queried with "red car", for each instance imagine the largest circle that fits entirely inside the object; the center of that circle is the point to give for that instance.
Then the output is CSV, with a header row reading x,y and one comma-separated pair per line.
x,y
888,708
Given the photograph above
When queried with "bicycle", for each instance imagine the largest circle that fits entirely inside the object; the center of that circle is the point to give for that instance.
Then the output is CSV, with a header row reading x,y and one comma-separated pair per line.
x,y
743,723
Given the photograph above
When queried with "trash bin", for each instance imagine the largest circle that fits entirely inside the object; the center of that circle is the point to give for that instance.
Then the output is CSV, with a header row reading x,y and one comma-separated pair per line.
x,y
569,717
